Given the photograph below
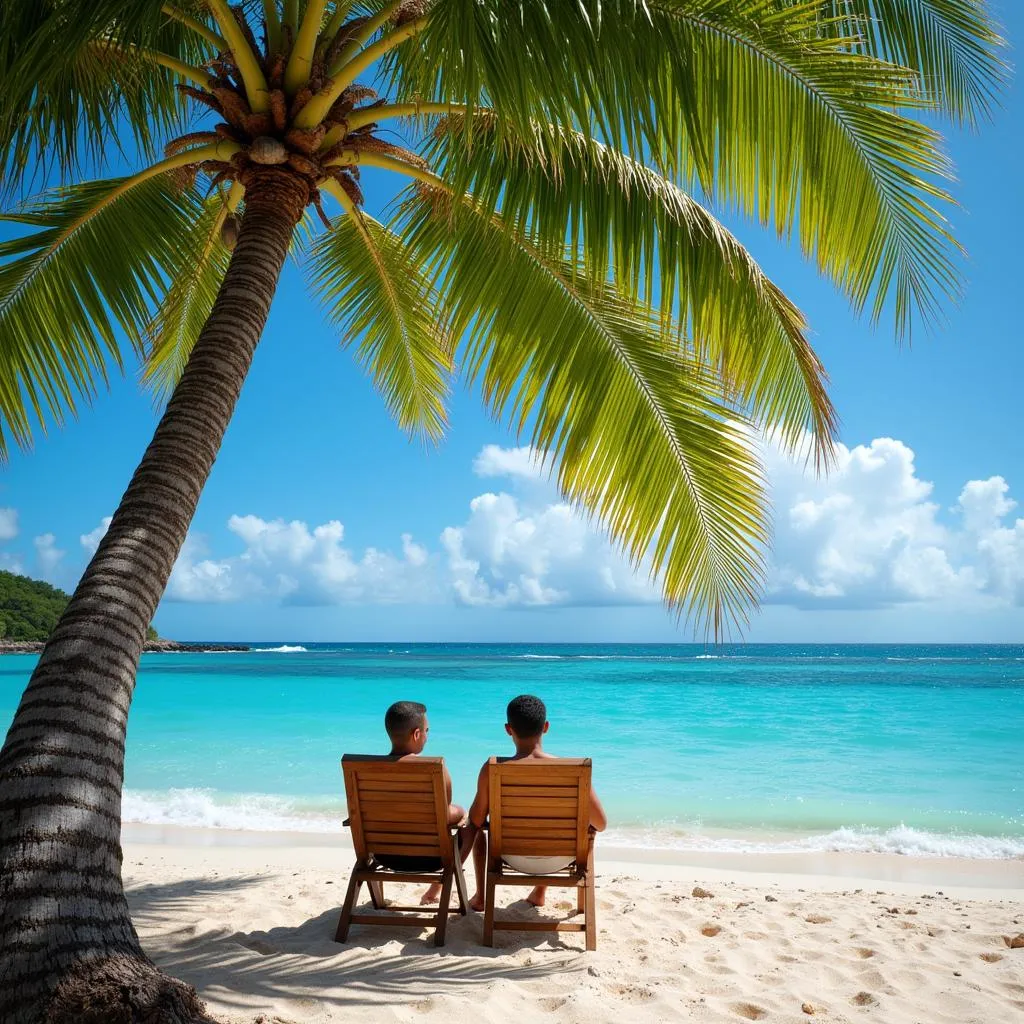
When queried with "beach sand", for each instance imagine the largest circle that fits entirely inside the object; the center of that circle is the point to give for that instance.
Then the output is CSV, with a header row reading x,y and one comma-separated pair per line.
x,y
249,920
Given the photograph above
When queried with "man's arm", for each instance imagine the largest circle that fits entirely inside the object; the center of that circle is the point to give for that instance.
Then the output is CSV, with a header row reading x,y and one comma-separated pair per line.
x,y
478,812
598,819
455,812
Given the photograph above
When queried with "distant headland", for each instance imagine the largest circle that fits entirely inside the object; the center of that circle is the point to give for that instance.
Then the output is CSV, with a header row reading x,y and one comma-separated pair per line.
x,y
152,647
29,609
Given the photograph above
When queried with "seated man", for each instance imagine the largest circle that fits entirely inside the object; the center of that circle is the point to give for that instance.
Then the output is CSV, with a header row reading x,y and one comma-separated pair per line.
x,y
526,723
407,728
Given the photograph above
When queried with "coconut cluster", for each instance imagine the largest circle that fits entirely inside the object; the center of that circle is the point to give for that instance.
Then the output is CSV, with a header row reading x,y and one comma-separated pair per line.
x,y
271,138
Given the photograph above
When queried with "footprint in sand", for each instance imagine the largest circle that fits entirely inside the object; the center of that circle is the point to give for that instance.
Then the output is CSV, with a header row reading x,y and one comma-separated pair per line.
x,y
749,1011
553,1005
864,953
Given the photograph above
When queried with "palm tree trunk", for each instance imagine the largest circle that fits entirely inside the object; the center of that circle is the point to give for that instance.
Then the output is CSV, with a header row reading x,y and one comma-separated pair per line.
x,y
68,949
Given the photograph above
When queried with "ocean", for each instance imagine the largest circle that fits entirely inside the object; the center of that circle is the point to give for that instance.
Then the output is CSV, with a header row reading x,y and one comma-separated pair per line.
x,y
914,749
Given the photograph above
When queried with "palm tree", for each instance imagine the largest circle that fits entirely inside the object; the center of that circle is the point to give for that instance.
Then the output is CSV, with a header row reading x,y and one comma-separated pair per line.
x,y
553,242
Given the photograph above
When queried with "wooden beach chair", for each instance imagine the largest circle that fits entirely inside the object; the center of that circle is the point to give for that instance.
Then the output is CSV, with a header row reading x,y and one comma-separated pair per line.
x,y
541,810
398,813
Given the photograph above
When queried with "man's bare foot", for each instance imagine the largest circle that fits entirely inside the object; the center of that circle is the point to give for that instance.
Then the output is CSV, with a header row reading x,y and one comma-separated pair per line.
x,y
537,895
432,895
477,903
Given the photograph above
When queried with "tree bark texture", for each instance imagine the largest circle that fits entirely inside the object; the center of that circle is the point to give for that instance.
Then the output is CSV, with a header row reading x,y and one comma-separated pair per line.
x,y
68,949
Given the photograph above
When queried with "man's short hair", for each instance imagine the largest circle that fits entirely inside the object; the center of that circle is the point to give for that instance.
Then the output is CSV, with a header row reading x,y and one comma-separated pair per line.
x,y
527,715
403,717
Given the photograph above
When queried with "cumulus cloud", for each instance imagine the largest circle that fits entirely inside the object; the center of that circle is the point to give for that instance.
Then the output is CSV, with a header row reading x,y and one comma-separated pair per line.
x,y
870,534
11,563
48,555
524,462
297,565
8,523
91,540
505,554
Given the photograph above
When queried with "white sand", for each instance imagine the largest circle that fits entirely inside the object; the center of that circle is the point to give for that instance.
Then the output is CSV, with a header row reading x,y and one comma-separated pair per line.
x,y
249,920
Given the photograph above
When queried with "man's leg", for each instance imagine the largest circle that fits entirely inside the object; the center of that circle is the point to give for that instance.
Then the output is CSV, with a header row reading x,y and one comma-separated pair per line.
x,y
433,893
479,870
537,895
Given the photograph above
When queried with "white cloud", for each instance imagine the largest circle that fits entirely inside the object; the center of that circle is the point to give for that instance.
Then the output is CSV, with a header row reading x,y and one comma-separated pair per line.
x,y
290,562
868,535
872,534
8,523
91,540
11,563
524,462
505,554
48,555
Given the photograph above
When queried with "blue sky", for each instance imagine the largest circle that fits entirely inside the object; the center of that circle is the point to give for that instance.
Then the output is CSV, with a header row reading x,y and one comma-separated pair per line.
x,y
914,537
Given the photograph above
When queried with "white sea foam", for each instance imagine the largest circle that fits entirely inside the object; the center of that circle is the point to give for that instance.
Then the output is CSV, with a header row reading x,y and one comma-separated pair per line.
x,y
283,649
260,812
248,812
902,840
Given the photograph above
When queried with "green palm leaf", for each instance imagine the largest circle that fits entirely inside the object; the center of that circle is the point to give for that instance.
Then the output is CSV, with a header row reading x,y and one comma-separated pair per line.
x,y
638,435
953,45
69,98
755,102
89,265
662,247
376,293
187,304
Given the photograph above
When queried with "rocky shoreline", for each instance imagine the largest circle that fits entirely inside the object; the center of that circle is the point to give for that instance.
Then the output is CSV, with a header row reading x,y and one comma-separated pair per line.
x,y
152,647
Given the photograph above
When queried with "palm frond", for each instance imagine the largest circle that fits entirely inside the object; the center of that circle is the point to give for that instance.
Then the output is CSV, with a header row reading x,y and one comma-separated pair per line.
x,y
660,247
89,264
639,437
374,291
187,303
68,100
757,103
954,47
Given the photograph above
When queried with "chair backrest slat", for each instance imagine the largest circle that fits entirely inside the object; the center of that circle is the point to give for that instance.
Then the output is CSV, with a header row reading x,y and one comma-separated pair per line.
x,y
540,808
397,807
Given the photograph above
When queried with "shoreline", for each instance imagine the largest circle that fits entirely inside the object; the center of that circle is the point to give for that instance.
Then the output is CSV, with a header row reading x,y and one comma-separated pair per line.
x,y
151,647
972,878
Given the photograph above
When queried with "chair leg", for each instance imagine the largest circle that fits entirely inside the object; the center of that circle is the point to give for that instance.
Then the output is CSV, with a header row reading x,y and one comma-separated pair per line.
x,y
376,894
460,888
489,909
442,908
581,895
590,921
345,921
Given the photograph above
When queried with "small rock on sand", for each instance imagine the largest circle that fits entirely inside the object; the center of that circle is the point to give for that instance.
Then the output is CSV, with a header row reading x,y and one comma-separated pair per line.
x,y
701,894
770,899
1014,941
807,1008
710,930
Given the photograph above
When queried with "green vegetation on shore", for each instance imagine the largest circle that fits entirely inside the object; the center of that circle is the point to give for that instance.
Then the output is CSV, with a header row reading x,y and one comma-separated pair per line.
x,y
29,609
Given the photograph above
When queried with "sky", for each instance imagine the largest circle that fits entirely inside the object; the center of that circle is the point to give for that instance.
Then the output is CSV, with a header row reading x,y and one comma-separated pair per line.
x,y
322,521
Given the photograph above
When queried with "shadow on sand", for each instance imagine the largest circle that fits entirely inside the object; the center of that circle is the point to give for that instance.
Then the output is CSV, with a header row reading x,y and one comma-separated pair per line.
x,y
304,964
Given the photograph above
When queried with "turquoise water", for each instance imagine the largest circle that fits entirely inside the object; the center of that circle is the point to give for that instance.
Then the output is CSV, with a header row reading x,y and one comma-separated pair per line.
x,y
918,749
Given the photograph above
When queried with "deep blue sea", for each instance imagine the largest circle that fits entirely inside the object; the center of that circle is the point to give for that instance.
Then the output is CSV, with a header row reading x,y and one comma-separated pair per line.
x,y
900,748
